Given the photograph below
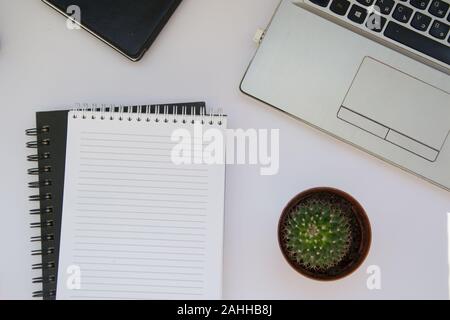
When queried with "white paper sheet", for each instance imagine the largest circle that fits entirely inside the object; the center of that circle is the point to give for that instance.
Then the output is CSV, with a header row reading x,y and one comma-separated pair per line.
x,y
135,225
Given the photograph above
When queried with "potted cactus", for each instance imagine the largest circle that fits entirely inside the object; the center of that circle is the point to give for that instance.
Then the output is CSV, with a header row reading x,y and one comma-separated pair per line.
x,y
324,234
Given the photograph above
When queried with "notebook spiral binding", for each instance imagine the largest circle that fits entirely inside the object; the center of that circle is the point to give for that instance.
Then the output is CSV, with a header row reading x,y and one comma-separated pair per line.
x,y
45,222
147,113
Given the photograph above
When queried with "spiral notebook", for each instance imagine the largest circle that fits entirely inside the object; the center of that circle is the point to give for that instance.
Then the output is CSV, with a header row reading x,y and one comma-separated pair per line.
x,y
119,219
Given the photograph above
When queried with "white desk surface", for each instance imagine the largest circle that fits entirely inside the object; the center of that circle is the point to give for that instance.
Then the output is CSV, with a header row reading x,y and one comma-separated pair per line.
x,y
202,55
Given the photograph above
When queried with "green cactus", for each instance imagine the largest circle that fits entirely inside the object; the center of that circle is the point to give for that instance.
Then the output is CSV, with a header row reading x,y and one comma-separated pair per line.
x,y
317,234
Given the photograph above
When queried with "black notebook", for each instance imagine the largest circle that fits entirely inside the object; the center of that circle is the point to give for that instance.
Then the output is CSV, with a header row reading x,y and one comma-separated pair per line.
x,y
130,27
112,204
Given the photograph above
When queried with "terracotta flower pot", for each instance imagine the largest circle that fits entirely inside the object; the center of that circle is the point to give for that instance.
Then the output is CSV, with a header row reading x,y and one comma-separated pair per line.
x,y
361,234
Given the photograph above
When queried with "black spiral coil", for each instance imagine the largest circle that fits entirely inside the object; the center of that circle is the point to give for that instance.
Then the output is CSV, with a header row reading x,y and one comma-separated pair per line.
x,y
44,294
44,210
147,113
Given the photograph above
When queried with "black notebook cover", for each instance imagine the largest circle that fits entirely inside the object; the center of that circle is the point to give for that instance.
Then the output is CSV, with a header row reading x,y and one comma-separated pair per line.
x,y
51,133
128,26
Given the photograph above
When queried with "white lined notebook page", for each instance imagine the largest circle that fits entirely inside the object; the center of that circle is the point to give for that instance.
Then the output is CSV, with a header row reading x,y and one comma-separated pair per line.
x,y
137,225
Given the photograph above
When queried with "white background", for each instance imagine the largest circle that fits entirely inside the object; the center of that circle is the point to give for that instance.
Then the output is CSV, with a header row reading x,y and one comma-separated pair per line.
x,y
202,55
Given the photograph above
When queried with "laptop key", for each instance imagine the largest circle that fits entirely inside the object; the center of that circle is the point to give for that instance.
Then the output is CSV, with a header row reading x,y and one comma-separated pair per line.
x,y
340,7
420,4
366,2
375,22
417,42
357,14
402,13
420,21
439,29
322,3
385,6
438,8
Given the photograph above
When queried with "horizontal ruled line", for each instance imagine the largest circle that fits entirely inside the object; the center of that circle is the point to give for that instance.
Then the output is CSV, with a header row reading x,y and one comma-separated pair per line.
x,y
136,245
194,146
139,258
144,272
126,160
136,206
143,187
143,212
140,199
141,279
166,137
139,219
144,180
142,232
137,265
128,154
139,239
84,297
144,193
124,147
140,251
138,285
146,174
142,167
138,225
118,134
139,292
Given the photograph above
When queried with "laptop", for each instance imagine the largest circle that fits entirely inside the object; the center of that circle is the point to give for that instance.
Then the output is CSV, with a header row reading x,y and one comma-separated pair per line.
x,y
373,73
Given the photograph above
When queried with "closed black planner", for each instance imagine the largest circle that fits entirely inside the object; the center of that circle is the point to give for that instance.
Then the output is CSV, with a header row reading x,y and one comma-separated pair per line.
x,y
50,143
130,27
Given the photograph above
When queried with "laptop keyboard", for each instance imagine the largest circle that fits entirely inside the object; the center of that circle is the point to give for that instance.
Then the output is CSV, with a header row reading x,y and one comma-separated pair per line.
x,y
420,25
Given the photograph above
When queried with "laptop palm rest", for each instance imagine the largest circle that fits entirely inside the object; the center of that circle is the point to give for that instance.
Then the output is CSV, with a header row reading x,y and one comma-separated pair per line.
x,y
398,108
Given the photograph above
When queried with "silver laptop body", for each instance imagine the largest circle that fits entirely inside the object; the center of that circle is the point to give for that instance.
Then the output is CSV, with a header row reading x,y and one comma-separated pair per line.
x,y
379,89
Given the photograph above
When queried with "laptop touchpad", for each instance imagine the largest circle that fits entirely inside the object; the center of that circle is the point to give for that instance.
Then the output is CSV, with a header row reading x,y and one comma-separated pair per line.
x,y
398,108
